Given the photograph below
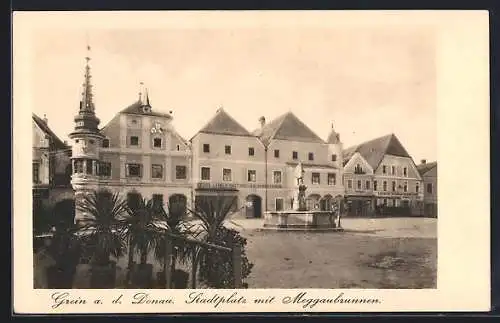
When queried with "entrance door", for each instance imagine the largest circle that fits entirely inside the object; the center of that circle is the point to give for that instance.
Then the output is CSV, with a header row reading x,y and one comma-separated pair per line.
x,y
254,206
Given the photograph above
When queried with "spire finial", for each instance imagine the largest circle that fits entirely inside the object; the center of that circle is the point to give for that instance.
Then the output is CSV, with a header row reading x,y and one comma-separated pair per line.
x,y
141,89
87,103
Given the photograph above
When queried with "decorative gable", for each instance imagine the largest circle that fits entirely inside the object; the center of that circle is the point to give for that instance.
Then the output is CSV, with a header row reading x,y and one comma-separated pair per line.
x,y
358,165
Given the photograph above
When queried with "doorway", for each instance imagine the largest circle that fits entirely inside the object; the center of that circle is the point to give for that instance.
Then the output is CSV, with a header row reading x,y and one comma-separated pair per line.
x,y
253,206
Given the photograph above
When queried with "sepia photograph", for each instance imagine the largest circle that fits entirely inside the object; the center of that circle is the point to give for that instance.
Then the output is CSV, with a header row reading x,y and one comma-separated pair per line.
x,y
226,155
160,154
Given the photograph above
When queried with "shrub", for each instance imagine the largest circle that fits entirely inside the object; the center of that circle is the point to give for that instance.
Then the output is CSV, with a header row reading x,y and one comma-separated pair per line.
x,y
216,266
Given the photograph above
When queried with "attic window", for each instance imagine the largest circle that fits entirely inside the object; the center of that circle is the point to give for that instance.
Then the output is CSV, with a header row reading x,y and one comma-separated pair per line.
x,y
146,109
105,143
178,147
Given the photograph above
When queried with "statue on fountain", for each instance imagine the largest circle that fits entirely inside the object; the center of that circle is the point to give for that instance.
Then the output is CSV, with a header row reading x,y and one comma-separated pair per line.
x,y
299,201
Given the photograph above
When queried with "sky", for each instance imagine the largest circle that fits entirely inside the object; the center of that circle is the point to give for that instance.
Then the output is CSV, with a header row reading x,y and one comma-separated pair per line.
x,y
366,81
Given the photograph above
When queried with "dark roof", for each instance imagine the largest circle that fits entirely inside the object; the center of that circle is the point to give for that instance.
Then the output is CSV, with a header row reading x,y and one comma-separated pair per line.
x,y
424,168
58,143
223,124
373,151
287,127
137,108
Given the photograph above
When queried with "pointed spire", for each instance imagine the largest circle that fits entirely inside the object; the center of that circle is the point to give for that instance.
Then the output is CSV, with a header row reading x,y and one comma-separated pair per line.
x,y
87,102
333,137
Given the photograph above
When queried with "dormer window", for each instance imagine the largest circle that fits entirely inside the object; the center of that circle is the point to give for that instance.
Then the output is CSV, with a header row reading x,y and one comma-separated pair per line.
x,y
146,109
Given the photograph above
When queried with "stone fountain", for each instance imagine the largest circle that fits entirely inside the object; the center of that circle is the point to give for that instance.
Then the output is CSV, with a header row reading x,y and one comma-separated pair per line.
x,y
300,218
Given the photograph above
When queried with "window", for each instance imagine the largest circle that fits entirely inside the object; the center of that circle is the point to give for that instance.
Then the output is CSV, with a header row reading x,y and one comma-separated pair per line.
x,y
385,186
277,177
206,148
384,169
358,169
36,173
276,153
105,143
134,141
251,151
295,155
334,157
252,175
359,185
332,179
134,170
417,188
157,142
374,185
405,187
78,166
405,171
315,178
89,169
367,185
349,183
393,170
205,173
105,169
385,202
311,156
178,147
226,174
227,149
180,172
279,204
91,141
394,186
156,171
157,200
429,188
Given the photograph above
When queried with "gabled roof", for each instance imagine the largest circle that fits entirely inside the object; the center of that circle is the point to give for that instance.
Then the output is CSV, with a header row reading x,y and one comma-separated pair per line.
x,y
424,168
137,108
287,127
58,143
223,124
373,151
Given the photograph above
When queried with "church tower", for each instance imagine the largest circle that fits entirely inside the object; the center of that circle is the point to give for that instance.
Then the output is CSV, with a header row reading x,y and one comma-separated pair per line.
x,y
86,140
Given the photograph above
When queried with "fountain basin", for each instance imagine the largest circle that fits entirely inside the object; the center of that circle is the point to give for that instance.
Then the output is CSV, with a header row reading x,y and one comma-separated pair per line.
x,y
301,221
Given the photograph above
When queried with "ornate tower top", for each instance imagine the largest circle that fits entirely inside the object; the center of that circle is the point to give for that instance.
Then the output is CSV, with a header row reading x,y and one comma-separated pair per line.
x,y
86,122
87,104
333,137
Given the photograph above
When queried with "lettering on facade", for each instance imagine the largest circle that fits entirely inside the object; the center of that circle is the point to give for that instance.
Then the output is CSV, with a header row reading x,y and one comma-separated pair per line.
x,y
232,186
389,194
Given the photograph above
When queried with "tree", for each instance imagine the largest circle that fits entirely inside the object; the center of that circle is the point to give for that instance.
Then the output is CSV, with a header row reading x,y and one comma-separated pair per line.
x,y
177,232
103,229
216,265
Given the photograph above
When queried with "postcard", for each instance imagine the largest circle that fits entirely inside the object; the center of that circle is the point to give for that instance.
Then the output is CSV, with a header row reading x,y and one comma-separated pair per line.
x,y
251,161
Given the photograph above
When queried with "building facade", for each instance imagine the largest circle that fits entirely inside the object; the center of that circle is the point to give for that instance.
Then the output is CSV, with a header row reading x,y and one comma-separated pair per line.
x,y
138,153
428,172
288,141
381,177
51,172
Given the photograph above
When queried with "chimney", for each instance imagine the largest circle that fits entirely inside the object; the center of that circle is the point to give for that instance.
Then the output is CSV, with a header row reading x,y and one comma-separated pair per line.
x,y
45,119
423,161
262,121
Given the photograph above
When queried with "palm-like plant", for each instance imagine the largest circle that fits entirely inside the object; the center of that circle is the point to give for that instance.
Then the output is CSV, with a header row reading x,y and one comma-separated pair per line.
x,y
176,231
144,229
212,213
104,225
